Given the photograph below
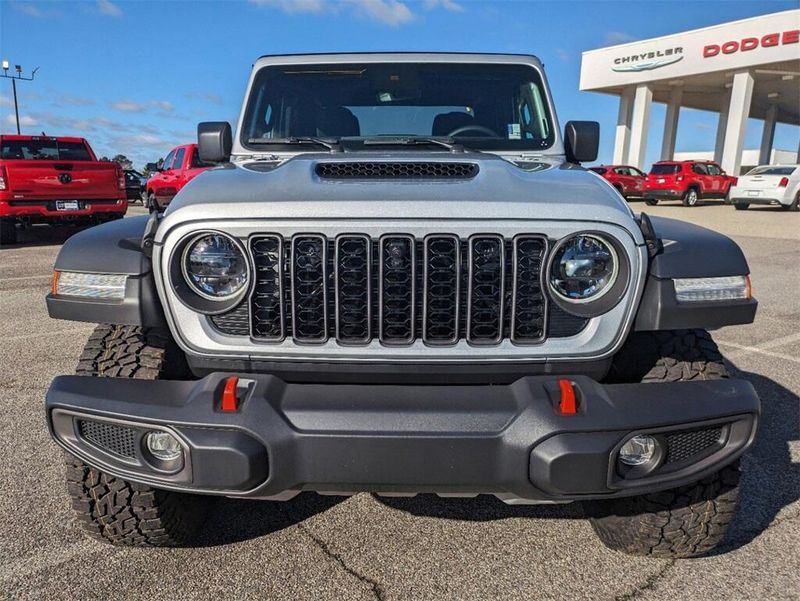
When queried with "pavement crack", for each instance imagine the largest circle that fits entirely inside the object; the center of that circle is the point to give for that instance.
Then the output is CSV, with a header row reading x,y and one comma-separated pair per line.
x,y
649,584
376,588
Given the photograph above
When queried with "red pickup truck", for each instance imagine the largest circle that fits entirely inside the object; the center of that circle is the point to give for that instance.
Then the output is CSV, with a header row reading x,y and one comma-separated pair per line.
x,y
687,181
181,166
47,179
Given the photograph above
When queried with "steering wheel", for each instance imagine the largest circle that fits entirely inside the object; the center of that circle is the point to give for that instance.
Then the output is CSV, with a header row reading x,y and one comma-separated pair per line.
x,y
478,128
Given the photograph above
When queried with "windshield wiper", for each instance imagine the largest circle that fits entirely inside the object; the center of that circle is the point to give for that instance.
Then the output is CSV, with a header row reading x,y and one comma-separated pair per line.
x,y
332,144
448,143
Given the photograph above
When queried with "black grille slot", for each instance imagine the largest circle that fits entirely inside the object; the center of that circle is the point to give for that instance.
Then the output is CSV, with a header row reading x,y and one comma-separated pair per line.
x,y
235,322
528,305
486,289
396,170
268,301
441,283
112,438
686,444
397,282
441,289
309,288
353,266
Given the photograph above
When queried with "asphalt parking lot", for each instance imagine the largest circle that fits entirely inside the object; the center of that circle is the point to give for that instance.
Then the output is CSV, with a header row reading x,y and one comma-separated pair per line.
x,y
421,548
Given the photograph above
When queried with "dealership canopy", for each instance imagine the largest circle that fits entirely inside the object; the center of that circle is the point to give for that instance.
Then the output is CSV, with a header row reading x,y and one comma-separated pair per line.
x,y
747,68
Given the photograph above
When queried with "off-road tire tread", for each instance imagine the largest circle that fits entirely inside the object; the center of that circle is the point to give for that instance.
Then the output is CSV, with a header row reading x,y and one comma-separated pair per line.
x,y
112,509
686,521
129,514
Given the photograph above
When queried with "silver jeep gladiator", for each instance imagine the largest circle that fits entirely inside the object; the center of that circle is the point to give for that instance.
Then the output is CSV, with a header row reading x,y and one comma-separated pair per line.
x,y
398,279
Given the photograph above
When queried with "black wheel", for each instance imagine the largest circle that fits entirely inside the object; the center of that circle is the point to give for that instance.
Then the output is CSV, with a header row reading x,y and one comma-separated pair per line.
x,y
152,205
651,201
112,509
795,206
690,198
686,521
8,232
742,206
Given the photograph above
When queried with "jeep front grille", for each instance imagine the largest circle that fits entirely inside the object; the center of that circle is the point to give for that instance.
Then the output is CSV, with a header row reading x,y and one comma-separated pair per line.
x,y
396,170
398,289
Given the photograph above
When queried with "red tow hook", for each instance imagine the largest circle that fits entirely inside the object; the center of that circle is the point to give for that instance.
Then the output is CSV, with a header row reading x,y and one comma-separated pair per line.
x,y
568,404
229,402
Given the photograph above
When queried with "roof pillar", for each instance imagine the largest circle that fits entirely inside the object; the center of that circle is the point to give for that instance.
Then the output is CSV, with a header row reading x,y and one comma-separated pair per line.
x,y
738,112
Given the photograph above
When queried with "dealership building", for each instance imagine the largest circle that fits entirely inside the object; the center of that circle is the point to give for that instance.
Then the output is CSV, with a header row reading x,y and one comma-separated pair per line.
x,y
740,70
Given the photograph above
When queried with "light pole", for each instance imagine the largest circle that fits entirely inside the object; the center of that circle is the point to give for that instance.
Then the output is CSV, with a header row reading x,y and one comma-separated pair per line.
x,y
14,78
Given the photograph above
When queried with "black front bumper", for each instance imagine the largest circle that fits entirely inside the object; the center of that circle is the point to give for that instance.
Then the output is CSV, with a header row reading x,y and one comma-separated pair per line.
x,y
508,440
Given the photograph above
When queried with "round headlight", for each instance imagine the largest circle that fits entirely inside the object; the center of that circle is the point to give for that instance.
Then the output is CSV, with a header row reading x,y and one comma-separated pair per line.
x,y
215,266
584,268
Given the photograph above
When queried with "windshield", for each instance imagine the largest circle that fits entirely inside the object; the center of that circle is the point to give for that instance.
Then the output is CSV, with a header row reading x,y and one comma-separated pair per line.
x,y
46,150
483,106
772,171
666,169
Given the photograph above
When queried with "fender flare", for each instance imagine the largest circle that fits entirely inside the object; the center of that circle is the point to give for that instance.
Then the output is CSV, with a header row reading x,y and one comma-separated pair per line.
x,y
691,251
115,248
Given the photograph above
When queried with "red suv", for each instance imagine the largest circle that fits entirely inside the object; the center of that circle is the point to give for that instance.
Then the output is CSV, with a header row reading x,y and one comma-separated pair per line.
x,y
629,181
181,166
687,181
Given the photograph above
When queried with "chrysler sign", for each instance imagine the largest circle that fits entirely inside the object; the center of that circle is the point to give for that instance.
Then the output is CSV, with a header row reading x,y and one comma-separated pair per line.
x,y
647,61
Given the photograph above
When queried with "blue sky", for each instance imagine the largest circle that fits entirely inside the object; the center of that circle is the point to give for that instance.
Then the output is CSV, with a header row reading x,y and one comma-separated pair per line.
x,y
136,77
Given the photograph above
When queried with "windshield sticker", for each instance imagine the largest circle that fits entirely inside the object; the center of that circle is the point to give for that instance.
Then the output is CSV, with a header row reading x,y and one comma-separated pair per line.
x,y
514,131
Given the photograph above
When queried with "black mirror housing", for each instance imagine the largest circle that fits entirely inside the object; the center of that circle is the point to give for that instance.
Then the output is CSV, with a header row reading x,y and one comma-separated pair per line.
x,y
214,141
581,140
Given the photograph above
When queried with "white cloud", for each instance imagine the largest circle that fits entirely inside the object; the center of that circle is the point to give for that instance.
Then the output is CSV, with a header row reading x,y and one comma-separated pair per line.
x,y
24,120
562,54
75,100
617,37
451,5
389,12
108,8
205,96
131,106
137,140
295,6
127,106
163,105
31,9
5,101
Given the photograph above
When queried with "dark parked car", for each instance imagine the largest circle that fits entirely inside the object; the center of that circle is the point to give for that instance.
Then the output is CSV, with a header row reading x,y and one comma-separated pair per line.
x,y
134,185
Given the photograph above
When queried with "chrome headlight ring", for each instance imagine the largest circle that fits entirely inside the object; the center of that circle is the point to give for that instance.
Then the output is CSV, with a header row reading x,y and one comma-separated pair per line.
x,y
607,296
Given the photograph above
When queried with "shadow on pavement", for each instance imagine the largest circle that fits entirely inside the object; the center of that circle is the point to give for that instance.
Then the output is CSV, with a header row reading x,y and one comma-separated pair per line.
x,y
44,235
237,520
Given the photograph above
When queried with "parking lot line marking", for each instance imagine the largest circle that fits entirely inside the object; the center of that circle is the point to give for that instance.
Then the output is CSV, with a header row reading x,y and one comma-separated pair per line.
x,y
26,277
754,349
41,334
47,559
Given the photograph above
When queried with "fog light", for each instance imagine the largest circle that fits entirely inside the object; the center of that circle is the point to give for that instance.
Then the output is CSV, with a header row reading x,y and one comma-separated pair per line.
x,y
163,446
638,450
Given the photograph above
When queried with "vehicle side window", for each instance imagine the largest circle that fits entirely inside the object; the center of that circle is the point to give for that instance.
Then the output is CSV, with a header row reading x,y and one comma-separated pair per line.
x,y
621,171
196,163
168,161
699,168
713,169
178,164
636,172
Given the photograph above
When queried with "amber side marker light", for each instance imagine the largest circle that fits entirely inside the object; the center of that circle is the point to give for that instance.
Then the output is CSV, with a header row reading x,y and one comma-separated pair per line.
x,y
54,283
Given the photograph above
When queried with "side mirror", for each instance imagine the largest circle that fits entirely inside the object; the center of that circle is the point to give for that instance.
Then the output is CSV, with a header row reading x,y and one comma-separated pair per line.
x,y
581,140
151,167
214,141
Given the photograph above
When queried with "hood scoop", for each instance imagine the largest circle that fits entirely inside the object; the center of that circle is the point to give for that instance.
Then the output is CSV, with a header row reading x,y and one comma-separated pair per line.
x,y
368,170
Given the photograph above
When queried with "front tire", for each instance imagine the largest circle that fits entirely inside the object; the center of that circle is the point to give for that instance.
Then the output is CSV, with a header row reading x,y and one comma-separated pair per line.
x,y
112,509
685,521
795,206
651,202
742,206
